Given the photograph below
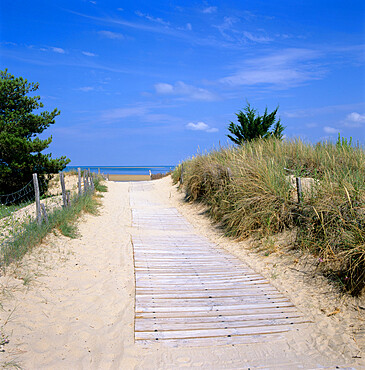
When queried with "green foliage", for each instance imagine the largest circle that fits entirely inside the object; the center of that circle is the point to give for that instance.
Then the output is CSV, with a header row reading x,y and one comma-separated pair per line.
x,y
342,142
257,198
20,147
253,126
99,186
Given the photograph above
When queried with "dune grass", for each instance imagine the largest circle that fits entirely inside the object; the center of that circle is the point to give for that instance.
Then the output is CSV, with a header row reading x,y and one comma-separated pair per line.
x,y
249,191
32,234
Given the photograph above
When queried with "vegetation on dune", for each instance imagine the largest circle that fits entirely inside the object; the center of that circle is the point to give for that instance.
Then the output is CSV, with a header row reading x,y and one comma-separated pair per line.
x,y
252,126
250,191
61,219
20,147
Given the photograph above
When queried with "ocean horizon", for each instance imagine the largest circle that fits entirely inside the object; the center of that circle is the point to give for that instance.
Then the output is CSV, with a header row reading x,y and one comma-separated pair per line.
x,y
123,170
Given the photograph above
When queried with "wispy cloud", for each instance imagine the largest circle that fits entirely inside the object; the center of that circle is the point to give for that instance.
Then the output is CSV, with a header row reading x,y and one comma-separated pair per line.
x,y
86,88
58,50
88,54
111,35
257,38
284,69
185,91
152,19
331,130
210,10
328,109
119,113
143,113
201,126
177,32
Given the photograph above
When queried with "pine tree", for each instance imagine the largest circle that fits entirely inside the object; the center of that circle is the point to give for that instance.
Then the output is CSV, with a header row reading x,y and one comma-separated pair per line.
x,y
252,127
20,147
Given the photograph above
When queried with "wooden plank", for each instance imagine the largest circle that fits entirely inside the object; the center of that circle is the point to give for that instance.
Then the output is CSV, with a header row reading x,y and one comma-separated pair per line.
x,y
169,326
213,307
218,301
288,314
197,279
213,341
205,294
189,314
206,285
208,333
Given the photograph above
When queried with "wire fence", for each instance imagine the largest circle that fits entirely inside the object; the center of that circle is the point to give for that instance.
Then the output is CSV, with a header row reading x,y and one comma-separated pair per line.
x,y
26,205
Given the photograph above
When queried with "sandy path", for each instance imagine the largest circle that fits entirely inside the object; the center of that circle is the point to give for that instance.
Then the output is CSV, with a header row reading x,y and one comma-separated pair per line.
x,y
74,307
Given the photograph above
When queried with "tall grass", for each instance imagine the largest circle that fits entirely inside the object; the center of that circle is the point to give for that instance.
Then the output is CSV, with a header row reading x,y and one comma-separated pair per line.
x,y
256,198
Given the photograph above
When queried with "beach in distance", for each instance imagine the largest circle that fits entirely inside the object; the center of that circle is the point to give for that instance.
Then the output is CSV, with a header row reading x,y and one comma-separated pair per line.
x,y
124,170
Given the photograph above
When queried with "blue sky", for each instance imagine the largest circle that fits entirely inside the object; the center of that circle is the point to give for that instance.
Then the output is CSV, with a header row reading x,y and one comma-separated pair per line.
x,y
153,82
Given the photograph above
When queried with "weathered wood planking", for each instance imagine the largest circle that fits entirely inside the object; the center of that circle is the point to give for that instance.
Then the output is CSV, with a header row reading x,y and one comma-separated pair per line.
x,y
191,292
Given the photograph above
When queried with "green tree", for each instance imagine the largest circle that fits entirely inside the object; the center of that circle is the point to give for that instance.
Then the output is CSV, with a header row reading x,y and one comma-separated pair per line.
x,y
20,147
252,126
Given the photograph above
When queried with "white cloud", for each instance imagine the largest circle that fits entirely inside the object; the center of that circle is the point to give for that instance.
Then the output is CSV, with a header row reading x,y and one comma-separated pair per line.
x,y
111,35
331,130
185,91
58,50
162,88
254,38
210,10
200,126
86,88
88,54
189,27
356,117
290,67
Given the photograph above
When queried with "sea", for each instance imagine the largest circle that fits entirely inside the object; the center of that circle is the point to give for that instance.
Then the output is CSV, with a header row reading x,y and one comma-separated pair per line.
x,y
123,170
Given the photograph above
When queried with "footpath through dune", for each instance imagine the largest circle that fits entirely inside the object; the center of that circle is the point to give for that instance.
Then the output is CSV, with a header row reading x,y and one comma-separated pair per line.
x,y
142,288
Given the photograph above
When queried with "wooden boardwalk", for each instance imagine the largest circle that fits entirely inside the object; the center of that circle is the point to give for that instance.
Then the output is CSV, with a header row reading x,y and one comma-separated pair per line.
x,y
189,291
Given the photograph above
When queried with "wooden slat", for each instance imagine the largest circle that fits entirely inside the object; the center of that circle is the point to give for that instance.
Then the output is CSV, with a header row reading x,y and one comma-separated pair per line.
x,y
178,326
209,333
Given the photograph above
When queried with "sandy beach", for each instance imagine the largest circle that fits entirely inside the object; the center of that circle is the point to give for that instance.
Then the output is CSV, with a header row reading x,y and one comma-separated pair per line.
x,y
70,304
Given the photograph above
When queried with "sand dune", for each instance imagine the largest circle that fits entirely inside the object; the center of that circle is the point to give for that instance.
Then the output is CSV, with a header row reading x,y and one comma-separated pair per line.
x,y
70,303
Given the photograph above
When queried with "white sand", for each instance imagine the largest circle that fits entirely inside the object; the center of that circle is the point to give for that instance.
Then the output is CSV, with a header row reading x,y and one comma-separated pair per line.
x,y
70,303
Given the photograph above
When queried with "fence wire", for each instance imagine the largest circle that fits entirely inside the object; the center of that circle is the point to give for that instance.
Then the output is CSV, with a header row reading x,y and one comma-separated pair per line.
x,y
26,194
13,219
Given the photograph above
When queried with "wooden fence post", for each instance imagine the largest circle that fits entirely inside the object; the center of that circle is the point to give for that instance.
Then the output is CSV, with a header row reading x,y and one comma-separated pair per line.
x,y
182,174
62,179
79,173
92,181
44,213
68,197
84,179
229,173
37,199
299,189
